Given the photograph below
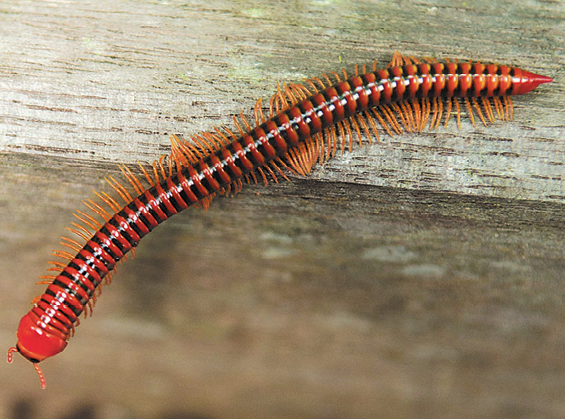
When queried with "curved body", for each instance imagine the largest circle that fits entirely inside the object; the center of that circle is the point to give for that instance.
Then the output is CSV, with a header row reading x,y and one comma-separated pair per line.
x,y
46,329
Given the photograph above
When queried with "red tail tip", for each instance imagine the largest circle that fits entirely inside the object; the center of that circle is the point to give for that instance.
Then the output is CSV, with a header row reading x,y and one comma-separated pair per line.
x,y
529,81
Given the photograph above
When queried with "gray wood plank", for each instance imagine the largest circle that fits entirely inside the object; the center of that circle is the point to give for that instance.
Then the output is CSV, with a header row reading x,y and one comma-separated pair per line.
x,y
110,83
420,277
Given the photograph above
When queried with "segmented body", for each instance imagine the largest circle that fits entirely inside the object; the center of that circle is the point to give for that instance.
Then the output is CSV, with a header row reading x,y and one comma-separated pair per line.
x,y
46,329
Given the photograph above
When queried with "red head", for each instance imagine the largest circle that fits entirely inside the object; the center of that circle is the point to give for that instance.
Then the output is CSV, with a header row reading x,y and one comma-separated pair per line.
x,y
35,344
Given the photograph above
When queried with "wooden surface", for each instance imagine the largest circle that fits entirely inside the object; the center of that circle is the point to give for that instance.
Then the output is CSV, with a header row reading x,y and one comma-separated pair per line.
x,y
421,277
109,81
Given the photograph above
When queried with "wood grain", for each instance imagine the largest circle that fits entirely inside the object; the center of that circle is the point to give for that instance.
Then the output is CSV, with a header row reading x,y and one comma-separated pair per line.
x,y
100,83
420,277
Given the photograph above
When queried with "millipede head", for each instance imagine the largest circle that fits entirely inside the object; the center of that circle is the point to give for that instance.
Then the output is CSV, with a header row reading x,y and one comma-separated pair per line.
x,y
35,365
36,344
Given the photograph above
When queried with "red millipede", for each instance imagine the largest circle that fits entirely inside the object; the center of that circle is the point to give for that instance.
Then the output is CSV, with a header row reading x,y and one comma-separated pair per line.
x,y
306,124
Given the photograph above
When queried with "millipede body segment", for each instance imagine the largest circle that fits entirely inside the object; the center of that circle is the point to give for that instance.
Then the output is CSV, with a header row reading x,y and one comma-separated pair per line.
x,y
306,124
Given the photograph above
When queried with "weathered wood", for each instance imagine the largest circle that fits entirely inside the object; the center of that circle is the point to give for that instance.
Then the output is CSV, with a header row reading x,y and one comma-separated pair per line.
x,y
98,85
420,277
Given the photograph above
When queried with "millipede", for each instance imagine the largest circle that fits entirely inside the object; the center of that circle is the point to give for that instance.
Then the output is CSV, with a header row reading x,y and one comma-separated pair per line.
x,y
305,124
